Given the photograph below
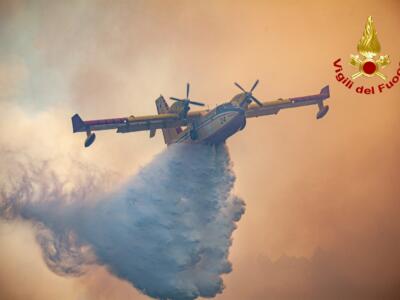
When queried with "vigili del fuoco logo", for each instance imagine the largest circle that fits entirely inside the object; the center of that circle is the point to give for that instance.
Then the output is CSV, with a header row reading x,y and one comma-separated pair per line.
x,y
367,64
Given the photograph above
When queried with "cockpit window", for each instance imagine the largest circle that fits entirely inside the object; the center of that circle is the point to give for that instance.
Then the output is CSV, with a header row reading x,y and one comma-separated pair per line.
x,y
222,107
237,100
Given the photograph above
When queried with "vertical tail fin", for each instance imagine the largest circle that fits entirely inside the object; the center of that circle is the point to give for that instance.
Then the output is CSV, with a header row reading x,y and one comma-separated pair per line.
x,y
170,134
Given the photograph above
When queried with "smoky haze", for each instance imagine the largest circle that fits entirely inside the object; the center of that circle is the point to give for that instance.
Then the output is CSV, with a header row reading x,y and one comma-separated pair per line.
x,y
322,196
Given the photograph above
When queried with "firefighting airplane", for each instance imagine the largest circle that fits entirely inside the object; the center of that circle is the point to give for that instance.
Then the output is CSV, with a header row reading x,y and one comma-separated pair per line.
x,y
205,126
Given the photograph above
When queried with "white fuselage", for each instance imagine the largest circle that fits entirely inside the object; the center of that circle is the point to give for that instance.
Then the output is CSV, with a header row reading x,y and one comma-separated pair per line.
x,y
215,126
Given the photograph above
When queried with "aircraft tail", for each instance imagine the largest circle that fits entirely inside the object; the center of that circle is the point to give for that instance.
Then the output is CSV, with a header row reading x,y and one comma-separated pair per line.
x,y
170,134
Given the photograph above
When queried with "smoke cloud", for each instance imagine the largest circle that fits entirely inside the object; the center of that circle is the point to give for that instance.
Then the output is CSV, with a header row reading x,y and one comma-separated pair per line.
x,y
322,196
167,230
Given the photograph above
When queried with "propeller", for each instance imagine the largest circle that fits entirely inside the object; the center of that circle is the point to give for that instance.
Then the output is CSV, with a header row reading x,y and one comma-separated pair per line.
x,y
249,95
186,100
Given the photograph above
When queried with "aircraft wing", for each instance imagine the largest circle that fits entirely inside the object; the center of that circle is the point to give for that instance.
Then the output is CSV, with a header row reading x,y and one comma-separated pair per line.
x,y
131,124
128,124
273,107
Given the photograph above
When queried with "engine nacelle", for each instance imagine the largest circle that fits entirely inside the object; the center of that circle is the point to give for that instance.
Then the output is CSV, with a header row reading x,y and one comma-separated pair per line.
x,y
180,108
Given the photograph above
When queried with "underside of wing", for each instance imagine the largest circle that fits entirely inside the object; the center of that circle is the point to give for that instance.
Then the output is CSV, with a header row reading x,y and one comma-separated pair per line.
x,y
151,123
132,123
267,108
273,107
127,124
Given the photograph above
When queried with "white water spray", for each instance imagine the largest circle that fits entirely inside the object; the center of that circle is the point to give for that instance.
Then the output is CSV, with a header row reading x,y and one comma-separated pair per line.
x,y
167,230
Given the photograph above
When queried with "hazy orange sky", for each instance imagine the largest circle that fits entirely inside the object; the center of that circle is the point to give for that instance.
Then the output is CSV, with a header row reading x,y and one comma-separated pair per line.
x,y
322,197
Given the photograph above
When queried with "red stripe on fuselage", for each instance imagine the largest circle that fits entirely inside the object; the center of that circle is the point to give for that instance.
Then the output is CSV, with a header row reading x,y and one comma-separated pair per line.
x,y
106,121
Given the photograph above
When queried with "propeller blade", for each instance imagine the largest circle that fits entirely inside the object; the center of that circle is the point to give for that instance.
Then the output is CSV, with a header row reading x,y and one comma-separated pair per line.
x,y
196,103
186,100
256,101
176,99
238,85
254,86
